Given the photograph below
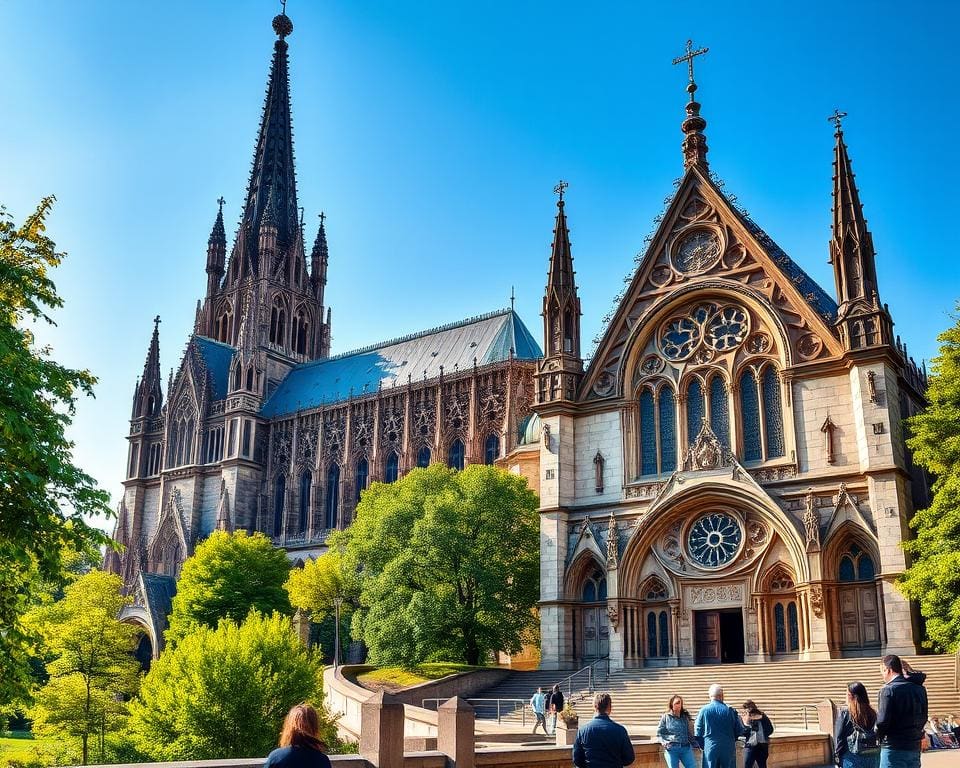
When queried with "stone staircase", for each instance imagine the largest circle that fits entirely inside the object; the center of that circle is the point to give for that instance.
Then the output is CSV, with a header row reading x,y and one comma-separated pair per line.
x,y
781,689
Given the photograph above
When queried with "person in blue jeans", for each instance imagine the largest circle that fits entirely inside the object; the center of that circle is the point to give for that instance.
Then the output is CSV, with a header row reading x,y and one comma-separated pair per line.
x,y
717,728
901,714
675,732
855,728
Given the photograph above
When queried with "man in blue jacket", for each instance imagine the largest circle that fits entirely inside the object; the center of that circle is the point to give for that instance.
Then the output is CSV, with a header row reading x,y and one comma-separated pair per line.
x,y
717,729
602,743
901,714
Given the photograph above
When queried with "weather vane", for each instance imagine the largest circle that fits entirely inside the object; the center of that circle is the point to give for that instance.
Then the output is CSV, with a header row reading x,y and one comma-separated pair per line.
x,y
837,119
559,189
688,57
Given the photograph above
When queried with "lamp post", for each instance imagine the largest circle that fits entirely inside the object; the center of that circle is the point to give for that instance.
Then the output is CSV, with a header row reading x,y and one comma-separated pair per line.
x,y
337,602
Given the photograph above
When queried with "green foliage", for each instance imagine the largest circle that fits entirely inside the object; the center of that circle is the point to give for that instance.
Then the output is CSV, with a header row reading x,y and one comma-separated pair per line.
x,y
395,678
228,575
448,564
91,669
933,577
223,693
45,497
320,582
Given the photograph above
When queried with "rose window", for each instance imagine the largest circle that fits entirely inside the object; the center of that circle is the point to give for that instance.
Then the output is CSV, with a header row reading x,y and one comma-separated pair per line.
x,y
714,539
680,337
727,329
702,331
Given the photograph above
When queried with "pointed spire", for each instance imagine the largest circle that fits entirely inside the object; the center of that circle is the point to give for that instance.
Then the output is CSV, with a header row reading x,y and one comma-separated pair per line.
x,y
148,399
216,251
224,521
247,340
694,142
560,276
319,258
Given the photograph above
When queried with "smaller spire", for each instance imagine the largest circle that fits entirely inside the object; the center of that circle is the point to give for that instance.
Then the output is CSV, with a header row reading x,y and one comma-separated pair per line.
x,y
216,251
218,234
148,399
319,258
270,217
694,143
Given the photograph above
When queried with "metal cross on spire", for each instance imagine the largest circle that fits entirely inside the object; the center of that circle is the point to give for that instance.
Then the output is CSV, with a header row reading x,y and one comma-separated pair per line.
x,y
559,189
513,298
283,7
688,57
837,119
220,202
156,321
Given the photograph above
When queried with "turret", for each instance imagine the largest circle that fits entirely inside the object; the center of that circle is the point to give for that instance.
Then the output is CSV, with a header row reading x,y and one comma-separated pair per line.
x,y
267,244
319,259
216,252
148,396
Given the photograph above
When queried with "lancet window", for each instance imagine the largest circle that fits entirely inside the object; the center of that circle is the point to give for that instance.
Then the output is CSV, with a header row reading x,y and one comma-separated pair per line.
x,y
719,410
278,323
456,454
696,409
658,430
333,496
363,471
279,502
306,481
594,587
392,468
856,565
491,449
423,456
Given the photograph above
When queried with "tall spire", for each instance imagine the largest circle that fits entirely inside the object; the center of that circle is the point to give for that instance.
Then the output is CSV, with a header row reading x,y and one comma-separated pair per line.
x,y
148,398
560,276
694,144
319,258
863,321
273,170
216,250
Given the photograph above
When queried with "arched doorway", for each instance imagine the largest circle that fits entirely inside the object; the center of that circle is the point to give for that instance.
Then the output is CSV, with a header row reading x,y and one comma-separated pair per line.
x,y
144,652
858,604
591,623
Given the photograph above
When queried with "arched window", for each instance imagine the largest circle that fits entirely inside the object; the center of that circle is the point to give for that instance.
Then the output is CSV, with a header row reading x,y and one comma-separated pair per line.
x,y
648,435
278,322
567,332
750,417
668,430
772,413
491,449
237,377
392,468
719,411
652,633
793,626
847,571
306,480
856,565
363,470
250,378
333,496
696,409
456,454
222,330
664,637
595,587
423,456
780,628
279,497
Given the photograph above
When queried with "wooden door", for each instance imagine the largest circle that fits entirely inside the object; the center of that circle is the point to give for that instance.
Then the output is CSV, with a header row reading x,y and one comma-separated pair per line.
x,y
707,635
849,618
869,616
603,622
591,633
859,617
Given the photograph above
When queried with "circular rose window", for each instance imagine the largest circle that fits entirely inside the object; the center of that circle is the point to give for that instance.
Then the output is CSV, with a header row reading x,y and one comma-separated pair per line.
x,y
714,539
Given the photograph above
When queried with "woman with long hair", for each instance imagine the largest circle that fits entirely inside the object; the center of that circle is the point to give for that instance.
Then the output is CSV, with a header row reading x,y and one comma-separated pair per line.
x,y
675,732
300,743
757,749
854,733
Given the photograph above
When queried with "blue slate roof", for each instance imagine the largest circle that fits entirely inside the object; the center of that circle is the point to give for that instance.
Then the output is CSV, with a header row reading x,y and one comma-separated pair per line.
x,y
159,591
217,357
487,339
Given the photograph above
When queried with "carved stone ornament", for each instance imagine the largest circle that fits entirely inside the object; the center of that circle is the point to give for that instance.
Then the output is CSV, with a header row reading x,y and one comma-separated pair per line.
x,y
652,364
809,346
721,593
707,452
613,542
816,600
598,464
546,436
644,491
604,385
613,615
811,521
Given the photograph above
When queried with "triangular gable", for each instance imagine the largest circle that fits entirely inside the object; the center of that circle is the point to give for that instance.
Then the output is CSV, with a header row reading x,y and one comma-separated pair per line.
x,y
224,520
587,541
171,520
847,509
742,258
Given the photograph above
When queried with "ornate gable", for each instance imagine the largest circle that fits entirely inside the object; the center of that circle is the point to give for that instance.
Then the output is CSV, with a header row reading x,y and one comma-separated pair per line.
x,y
758,299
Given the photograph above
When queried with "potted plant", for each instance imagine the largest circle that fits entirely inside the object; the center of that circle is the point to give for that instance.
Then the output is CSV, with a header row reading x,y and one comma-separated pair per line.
x,y
567,724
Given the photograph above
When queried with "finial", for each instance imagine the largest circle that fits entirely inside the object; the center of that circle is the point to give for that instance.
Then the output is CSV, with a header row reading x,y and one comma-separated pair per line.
x,y
281,23
512,299
837,119
220,202
560,188
156,323
323,218
688,57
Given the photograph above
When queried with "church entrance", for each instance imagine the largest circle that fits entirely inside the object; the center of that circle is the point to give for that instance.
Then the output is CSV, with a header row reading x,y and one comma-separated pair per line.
x,y
718,636
859,620
596,633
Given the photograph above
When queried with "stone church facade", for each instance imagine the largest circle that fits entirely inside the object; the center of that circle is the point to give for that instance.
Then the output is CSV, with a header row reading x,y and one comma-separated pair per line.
x,y
727,479
262,429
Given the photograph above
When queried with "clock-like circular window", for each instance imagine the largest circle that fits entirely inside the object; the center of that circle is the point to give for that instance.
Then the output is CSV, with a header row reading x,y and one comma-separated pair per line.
x,y
714,539
696,251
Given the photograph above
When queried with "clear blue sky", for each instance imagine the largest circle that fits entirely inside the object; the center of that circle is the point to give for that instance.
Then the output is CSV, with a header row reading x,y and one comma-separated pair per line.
x,y
432,134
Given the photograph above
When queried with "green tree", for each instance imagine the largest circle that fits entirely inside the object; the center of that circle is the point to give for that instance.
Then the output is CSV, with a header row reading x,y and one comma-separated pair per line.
x,y
933,577
227,575
45,499
223,693
92,666
317,588
448,563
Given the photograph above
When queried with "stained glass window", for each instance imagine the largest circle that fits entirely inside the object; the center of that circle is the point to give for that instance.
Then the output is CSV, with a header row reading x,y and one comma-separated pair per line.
x,y
456,454
279,496
363,470
865,569
333,495
305,480
651,634
392,469
719,412
695,409
664,637
780,628
423,457
589,592
792,625
491,449
648,435
668,430
847,572
750,417
772,413
714,539
602,589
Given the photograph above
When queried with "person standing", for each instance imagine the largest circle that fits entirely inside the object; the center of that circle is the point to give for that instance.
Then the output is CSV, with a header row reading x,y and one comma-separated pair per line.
x,y
300,744
555,702
675,732
854,733
538,703
717,728
901,714
602,743
758,738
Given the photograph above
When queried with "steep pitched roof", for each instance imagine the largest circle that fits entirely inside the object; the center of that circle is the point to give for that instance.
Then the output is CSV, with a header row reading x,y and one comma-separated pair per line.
x,y
487,339
217,357
158,593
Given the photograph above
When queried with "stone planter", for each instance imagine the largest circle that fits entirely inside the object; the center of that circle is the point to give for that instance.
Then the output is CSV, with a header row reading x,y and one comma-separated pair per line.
x,y
566,731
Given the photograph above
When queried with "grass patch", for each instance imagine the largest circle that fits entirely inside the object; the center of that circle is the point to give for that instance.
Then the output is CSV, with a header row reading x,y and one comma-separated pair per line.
x,y
21,749
395,678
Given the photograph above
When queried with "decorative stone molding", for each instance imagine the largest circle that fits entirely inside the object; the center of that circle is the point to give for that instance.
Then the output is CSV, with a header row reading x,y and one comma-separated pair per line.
x,y
720,593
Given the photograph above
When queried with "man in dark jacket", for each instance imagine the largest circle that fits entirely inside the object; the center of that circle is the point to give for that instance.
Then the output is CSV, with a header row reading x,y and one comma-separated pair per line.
x,y
602,743
901,714
555,702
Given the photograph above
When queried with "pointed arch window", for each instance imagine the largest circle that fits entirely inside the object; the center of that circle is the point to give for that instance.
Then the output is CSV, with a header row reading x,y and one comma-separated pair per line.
x,y
648,434
652,633
772,413
719,410
237,377
750,417
363,471
491,449
333,496
250,378
780,629
658,429
594,587
856,565
278,323
392,468
696,409
279,499
793,626
456,454
223,326
668,429
423,456
306,480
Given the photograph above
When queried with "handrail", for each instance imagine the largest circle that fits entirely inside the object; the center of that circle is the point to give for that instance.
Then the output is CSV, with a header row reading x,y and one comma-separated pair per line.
x,y
589,669
522,706
803,711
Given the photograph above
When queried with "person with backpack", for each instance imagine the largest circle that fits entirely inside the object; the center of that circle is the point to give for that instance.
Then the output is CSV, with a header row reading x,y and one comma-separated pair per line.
x,y
555,700
758,739
855,743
